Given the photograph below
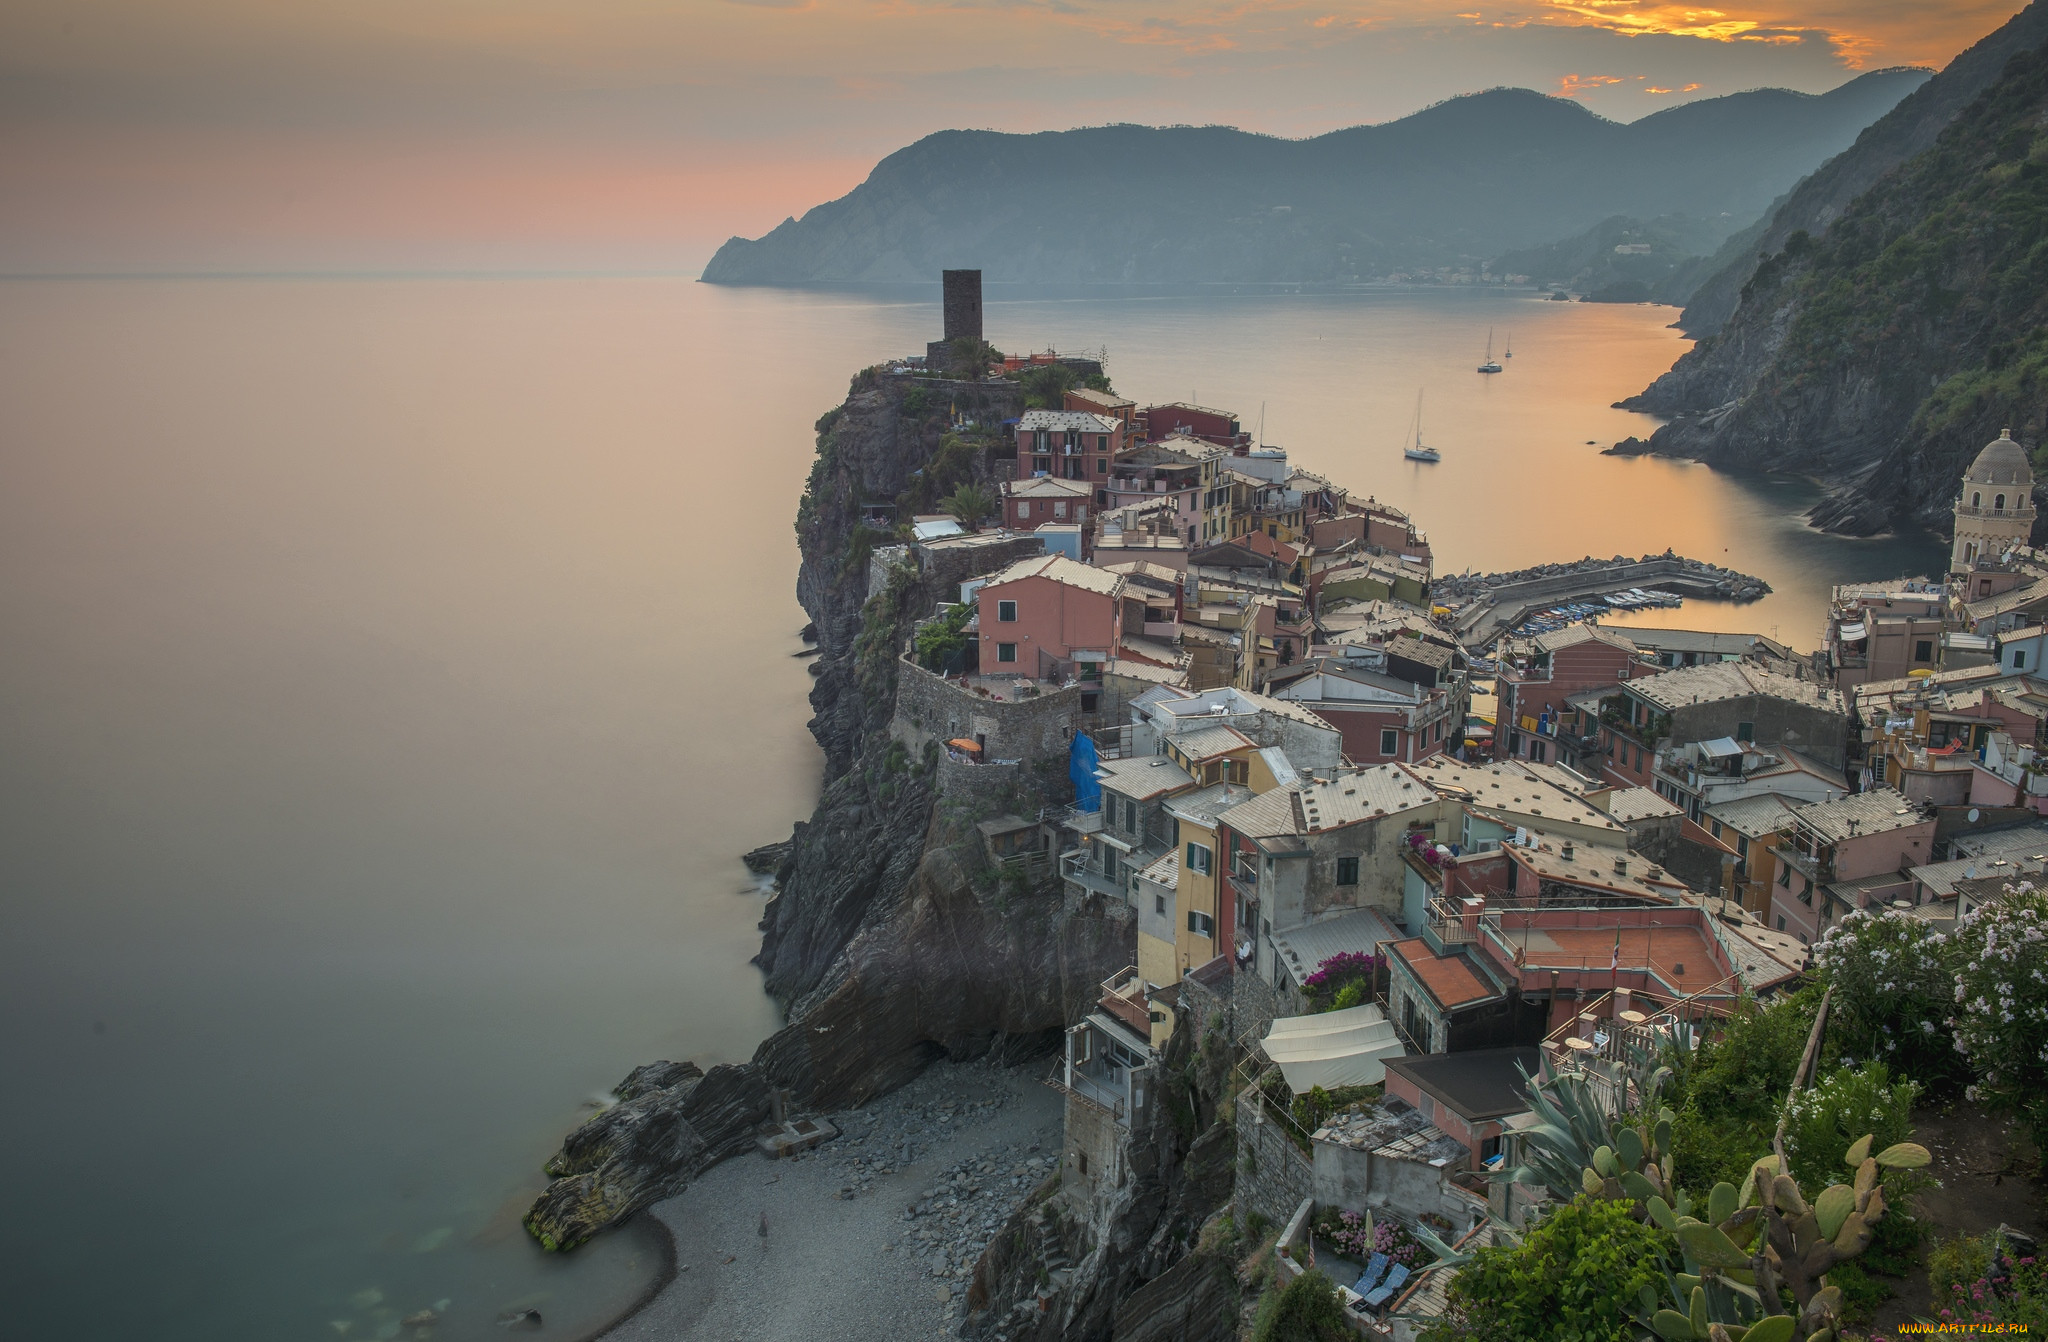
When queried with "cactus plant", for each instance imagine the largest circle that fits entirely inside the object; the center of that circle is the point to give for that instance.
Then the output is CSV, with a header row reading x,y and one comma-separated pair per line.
x,y
1766,1238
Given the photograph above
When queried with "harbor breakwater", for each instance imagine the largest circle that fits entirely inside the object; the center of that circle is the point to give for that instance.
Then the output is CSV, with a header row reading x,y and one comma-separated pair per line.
x,y
1486,605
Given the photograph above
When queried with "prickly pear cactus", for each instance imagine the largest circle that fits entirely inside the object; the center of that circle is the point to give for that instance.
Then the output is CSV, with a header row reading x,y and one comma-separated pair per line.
x,y
1764,1239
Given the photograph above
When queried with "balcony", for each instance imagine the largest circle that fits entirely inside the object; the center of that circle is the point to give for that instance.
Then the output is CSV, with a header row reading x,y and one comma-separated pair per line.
x,y
1074,870
1123,997
1447,923
1819,870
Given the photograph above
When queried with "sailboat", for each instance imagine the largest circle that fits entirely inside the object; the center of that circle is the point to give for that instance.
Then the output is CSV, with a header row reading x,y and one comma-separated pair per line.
x,y
1509,352
1416,451
1489,366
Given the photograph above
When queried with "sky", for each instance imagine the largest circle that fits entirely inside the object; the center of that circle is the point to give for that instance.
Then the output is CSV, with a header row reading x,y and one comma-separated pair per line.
x,y
483,135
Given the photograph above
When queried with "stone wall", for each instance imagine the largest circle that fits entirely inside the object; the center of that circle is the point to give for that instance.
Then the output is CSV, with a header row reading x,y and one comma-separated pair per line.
x,y
1092,1158
1033,731
1273,1176
1256,1005
1505,604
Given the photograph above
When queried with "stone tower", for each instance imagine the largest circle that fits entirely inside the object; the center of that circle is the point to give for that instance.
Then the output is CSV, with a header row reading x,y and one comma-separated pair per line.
x,y
1995,510
963,304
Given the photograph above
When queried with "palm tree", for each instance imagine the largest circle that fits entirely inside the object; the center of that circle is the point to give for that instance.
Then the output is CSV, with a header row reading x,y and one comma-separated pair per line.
x,y
970,503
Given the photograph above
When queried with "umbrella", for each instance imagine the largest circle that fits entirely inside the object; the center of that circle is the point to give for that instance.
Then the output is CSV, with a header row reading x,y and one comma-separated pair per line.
x,y
962,743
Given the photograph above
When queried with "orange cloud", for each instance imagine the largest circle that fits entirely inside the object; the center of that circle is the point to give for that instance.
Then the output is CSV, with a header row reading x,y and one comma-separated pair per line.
x,y
1572,86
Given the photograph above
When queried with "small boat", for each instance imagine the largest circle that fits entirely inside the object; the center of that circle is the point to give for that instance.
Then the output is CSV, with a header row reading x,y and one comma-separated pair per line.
x,y
1489,366
1509,352
1415,450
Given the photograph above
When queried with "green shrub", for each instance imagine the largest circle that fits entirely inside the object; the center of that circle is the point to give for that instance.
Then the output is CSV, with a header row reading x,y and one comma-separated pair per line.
x,y
1308,1309
1575,1277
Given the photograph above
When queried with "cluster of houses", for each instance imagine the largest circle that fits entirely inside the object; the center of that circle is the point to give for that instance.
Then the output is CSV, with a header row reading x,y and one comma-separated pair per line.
x,y
1541,851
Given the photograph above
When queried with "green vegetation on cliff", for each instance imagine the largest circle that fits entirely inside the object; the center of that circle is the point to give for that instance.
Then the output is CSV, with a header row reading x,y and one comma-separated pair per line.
x,y
1452,184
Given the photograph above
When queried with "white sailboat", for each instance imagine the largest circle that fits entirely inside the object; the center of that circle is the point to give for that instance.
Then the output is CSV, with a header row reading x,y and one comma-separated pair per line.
x,y
1416,451
1489,366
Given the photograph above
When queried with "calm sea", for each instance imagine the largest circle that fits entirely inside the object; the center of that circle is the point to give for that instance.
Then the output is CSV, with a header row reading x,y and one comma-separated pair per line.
x,y
391,671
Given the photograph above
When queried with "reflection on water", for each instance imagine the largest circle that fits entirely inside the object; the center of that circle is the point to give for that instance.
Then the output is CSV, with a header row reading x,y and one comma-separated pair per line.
x,y
392,672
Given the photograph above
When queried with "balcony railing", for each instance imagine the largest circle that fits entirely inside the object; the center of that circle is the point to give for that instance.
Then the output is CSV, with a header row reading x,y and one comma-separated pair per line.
x,y
1821,871
1447,921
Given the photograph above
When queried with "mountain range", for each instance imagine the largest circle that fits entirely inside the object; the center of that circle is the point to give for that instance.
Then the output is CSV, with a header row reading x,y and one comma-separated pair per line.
x,y
1902,320
1452,185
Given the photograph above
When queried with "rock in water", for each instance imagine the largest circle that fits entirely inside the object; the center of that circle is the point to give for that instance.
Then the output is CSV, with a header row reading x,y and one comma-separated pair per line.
x,y
768,857
646,1148
653,1076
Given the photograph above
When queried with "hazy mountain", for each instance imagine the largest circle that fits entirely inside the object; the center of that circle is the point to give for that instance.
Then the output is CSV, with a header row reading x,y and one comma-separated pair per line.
x,y
1620,259
1907,129
1884,353
1467,179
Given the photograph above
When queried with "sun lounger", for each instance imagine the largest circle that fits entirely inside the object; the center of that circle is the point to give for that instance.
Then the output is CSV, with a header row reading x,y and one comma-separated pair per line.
x,y
1395,1280
1371,1276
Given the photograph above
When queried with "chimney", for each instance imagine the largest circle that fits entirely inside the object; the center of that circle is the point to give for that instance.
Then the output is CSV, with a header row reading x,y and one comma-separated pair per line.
x,y
1621,866
1566,852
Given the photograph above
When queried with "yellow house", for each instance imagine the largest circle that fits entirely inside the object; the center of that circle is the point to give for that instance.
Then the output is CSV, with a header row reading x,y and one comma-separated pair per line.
x,y
1751,826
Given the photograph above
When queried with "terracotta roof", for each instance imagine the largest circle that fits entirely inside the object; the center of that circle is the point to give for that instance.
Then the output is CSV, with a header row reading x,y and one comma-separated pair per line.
x,y
1638,803
1060,569
1450,979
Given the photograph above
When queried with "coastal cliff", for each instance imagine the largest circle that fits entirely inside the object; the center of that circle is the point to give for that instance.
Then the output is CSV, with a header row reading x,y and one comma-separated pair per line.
x,y
890,942
1879,355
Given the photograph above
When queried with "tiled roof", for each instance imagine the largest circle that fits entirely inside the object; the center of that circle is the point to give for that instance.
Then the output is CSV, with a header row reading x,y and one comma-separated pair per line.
x,y
1305,948
1874,812
1755,816
1046,487
1638,803
1201,743
1593,868
1143,778
1063,570
1204,805
1556,640
1714,682
1508,789
1450,979
1066,420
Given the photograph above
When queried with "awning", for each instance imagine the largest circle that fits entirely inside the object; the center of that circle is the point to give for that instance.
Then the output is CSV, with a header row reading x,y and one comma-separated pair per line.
x,y
1849,633
962,743
1334,1048
1721,748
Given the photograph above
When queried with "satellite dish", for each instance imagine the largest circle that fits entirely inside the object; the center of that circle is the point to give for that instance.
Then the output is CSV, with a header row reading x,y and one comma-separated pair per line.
x,y
1975,814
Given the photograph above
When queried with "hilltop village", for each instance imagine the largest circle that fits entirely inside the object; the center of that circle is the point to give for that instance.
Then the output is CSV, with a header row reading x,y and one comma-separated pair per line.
x,y
1355,907
1389,863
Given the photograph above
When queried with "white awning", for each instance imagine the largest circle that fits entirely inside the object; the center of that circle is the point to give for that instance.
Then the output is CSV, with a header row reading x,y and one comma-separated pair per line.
x,y
1720,748
1852,632
1334,1048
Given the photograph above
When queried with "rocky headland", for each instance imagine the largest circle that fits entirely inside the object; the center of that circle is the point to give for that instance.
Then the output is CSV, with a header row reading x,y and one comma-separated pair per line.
x,y
1887,322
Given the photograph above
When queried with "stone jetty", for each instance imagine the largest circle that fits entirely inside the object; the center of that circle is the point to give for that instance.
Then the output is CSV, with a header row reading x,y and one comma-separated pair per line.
x,y
1486,604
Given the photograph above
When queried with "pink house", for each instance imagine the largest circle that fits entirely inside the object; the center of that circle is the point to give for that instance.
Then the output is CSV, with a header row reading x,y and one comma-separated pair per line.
x,y
1041,617
1847,854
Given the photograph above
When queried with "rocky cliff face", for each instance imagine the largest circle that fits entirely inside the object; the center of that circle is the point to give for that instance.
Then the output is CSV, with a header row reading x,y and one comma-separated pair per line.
x,y
1821,198
1883,354
890,941
1129,1265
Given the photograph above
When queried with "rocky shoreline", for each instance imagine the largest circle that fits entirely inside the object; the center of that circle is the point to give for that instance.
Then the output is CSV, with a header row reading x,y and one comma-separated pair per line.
x,y
852,1242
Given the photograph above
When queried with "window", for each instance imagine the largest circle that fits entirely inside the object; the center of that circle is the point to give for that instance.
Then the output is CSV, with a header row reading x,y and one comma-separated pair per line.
x,y
1742,847
1390,741
1201,924
1976,500
1998,501
1158,902
1347,871
1042,465
1745,731
1199,859
1923,650
1006,652
1102,465
1059,508
1006,611
1781,922
1023,511
1784,875
2019,660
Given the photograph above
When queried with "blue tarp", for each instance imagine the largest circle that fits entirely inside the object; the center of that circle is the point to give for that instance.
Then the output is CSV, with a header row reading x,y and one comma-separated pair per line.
x,y
1081,762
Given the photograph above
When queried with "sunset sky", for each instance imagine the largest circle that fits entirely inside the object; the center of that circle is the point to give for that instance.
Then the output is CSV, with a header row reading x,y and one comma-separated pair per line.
x,y
639,134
